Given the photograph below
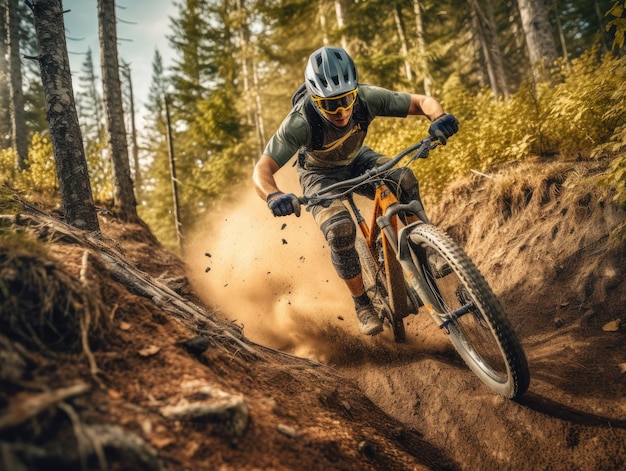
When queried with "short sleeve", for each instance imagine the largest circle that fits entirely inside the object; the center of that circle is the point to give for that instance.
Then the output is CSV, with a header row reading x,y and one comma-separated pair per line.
x,y
383,102
292,134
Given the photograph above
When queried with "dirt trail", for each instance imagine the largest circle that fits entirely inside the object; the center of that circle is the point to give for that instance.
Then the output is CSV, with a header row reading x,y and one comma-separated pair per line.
x,y
541,234
545,254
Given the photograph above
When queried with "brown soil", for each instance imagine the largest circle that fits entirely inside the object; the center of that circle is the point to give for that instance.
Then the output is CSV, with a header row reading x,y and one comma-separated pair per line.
x,y
299,388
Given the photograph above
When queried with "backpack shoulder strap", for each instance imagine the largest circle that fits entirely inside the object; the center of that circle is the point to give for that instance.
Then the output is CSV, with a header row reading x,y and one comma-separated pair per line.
x,y
361,115
315,120
300,93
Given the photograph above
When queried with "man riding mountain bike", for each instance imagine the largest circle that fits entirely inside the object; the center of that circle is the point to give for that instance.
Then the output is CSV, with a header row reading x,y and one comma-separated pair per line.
x,y
326,129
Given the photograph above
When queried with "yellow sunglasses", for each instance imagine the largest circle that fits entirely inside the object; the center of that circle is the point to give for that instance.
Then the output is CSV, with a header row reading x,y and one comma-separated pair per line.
x,y
336,104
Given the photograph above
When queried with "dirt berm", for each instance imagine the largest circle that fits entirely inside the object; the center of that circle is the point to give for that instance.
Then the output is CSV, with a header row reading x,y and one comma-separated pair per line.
x,y
108,359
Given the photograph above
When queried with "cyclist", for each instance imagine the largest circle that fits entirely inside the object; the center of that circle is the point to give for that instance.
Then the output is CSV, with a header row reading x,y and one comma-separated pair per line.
x,y
326,129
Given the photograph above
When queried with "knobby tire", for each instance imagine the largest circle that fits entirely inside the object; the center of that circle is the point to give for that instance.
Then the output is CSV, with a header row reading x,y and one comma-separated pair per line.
x,y
480,332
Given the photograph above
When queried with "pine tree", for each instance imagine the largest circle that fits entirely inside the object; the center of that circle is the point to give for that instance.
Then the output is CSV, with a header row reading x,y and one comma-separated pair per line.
x,y
123,194
67,143
91,116
539,40
19,132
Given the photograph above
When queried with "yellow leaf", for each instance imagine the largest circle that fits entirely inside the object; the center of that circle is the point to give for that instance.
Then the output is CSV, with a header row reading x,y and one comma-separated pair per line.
x,y
612,326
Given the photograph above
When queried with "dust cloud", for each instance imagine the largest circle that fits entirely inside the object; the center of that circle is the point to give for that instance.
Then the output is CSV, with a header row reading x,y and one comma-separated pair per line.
x,y
273,275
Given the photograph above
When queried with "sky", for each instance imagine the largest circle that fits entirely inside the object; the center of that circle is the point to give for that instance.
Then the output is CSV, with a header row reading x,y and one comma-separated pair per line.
x,y
142,28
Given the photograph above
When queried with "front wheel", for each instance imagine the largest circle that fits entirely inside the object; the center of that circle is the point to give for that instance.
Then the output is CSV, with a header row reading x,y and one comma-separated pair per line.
x,y
465,308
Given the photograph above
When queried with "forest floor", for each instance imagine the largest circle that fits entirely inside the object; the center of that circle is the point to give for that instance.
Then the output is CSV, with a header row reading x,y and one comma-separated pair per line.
x,y
245,354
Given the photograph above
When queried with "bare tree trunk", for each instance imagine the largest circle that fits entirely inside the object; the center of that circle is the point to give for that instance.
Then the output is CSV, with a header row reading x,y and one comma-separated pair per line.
x,y
479,34
67,142
601,23
123,194
404,47
496,52
322,12
486,29
174,179
341,22
260,125
538,33
19,132
133,131
5,117
421,47
555,6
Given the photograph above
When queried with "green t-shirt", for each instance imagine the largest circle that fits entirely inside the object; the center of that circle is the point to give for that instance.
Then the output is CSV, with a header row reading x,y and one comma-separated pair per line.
x,y
340,145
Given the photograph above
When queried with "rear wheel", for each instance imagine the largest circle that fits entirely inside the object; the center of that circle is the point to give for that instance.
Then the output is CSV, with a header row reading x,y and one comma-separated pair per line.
x,y
375,281
466,309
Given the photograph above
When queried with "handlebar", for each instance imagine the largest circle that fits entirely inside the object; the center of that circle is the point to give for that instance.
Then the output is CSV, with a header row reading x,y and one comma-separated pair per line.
x,y
420,150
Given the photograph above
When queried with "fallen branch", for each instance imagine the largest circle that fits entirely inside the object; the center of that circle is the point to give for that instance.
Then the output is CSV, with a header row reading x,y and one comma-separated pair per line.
x,y
132,278
481,174
24,406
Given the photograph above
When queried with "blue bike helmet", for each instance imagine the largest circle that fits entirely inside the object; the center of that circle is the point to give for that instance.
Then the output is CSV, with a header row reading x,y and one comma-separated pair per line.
x,y
329,72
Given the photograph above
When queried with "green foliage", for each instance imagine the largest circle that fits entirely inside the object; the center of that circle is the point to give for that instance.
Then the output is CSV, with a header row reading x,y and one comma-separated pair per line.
x,y
588,105
40,176
617,22
583,114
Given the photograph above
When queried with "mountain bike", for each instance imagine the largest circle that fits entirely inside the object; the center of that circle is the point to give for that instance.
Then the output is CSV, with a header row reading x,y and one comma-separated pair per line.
x,y
409,265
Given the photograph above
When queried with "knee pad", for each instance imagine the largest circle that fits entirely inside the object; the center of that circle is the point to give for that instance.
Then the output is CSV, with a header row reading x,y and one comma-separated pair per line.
x,y
340,233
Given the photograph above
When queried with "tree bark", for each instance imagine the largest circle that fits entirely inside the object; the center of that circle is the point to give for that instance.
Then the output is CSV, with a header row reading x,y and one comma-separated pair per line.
x,y
19,133
133,132
404,47
486,29
67,142
5,118
479,35
341,22
557,15
322,15
539,41
421,47
123,194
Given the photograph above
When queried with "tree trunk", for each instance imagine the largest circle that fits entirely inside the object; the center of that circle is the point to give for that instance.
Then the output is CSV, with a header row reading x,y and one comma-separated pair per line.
x,y
404,47
341,22
123,194
5,117
601,24
67,142
487,31
555,7
538,33
322,14
495,51
260,125
174,179
421,47
133,132
479,34
19,132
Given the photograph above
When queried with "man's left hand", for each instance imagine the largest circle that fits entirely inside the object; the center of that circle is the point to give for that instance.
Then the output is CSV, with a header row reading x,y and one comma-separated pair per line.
x,y
443,127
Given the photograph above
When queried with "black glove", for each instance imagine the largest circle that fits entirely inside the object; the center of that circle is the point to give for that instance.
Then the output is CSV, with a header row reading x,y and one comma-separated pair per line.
x,y
443,127
283,204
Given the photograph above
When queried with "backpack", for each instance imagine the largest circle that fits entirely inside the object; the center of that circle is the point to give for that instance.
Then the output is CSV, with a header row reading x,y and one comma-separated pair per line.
x,y
302,95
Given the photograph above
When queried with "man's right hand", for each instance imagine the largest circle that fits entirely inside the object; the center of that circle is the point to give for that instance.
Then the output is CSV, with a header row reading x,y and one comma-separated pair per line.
x,y
283,204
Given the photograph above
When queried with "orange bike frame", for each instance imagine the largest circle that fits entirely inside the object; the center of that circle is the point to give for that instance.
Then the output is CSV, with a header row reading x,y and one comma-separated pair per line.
x,y
383,199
